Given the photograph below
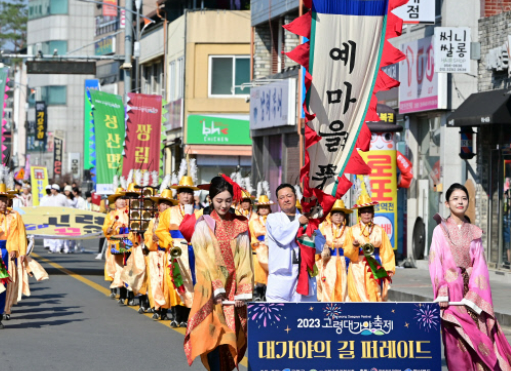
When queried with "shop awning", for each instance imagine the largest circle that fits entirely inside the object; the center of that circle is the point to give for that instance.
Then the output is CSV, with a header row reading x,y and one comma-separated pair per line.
x,y
196,149
489,107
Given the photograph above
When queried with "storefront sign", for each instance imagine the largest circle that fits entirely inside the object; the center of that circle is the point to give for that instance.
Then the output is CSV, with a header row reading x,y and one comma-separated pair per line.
x,y
39,178
452,49
58,155
417,11
109,128
421,88
273,105
173,115
383,180
143,133
41,121
73,160
347,336
218,130
498,58
105,46
110,8
390,97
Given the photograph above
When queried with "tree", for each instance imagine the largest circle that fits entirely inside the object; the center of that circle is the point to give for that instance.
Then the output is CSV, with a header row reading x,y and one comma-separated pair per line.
x,y
13,24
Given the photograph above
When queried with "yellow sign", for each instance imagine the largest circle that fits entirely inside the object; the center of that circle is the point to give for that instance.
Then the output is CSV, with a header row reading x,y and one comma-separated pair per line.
x,y
62,222
39,177
383,179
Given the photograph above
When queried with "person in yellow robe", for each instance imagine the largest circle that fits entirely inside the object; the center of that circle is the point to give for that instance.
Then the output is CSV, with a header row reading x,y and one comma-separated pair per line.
x,y
114,264
170,234
217,327
244,207
369,272
332,282
160,286
257,227
13,248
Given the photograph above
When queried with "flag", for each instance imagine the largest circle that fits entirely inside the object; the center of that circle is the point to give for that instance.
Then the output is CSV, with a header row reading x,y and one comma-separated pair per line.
x,y
108,123
88,133
143,133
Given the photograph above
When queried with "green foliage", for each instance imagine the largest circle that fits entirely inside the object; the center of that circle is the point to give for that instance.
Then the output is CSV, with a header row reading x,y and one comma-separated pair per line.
x,y
13,23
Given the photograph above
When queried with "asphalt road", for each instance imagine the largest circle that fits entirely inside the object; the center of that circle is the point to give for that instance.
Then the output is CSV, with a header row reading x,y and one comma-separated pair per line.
x,y
70,324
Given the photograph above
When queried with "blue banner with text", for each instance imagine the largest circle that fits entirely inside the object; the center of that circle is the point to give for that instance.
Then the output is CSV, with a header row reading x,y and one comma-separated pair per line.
x,y
344,337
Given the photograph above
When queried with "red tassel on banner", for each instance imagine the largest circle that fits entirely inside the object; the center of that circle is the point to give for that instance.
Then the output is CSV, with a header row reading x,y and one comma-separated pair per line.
x,y
343,186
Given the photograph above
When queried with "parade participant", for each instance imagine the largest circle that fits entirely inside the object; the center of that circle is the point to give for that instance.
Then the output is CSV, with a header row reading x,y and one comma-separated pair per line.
x,y
170,233
44,200
332,283
81,203
257,227
26,196
161,290
367,245
114,264
59,200
218,333
472,337
13,247
284,252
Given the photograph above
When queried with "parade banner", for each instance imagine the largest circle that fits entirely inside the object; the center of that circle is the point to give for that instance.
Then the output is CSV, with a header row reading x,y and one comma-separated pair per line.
x,y
143,133
39,177
348,47
4,78
383,179
109,128
88,133
58,156
344,336
41,122
62,222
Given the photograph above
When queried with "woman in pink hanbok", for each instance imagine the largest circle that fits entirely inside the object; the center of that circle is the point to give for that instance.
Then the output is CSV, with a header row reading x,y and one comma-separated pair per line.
x,y
472,337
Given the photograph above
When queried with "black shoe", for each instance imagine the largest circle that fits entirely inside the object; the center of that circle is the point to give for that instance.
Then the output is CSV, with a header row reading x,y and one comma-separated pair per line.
x,y
183,324
131,299
141,310
123,293
7,317
174,324
121,301
156,315
112,294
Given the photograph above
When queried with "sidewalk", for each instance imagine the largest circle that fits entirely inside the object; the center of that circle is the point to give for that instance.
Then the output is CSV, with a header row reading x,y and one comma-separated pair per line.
x,y
415,285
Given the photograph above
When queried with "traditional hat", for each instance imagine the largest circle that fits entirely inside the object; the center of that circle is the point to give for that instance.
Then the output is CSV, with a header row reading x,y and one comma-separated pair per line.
x,y
339,206
264,201
363,189
166,195
245,195
119,192
263,194
186,181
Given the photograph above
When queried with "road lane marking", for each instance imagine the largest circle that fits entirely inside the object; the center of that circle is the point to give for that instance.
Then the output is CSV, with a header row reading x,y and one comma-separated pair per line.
x,y
106,292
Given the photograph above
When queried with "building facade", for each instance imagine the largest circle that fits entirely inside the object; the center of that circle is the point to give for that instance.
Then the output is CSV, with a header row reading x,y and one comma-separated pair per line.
x,y
60,27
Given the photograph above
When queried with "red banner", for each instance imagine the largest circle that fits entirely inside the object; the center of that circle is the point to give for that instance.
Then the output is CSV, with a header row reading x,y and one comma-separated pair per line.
x,y
109,10
143,133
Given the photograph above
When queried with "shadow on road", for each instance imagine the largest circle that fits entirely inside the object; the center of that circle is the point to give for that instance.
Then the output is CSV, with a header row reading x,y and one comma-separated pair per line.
x,y
41,324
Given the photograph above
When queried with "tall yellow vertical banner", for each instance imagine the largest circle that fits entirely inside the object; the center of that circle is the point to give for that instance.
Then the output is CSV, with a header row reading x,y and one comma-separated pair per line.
x,y
39,176
383,180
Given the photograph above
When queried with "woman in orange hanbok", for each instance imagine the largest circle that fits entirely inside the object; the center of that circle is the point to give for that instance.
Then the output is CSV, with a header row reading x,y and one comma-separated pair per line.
x,y
332,283
217,326
370,272
257,227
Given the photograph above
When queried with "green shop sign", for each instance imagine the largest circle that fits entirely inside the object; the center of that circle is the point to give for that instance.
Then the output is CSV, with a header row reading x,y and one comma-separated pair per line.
x,y
217,130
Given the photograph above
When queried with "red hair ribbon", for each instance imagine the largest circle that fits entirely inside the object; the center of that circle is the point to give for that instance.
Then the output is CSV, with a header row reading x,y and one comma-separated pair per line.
x,y
235,188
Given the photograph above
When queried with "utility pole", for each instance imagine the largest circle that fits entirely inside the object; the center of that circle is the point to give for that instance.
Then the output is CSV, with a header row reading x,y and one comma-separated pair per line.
x,y
128,48
138,5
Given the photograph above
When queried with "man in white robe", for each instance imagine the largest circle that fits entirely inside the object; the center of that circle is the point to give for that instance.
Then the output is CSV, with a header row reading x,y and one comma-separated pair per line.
x,y
284,252
59,200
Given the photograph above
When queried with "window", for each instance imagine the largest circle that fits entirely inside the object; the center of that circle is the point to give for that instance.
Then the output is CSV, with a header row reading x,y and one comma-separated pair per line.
x,y
227,73
48,47
172,81
52,95
43,8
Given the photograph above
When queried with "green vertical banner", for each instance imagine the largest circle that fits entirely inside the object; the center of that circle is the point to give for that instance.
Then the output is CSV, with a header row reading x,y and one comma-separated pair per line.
x,y
88,131
109,128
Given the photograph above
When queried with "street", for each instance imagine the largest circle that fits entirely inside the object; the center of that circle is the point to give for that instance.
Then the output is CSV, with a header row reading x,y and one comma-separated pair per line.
x,y
69,323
